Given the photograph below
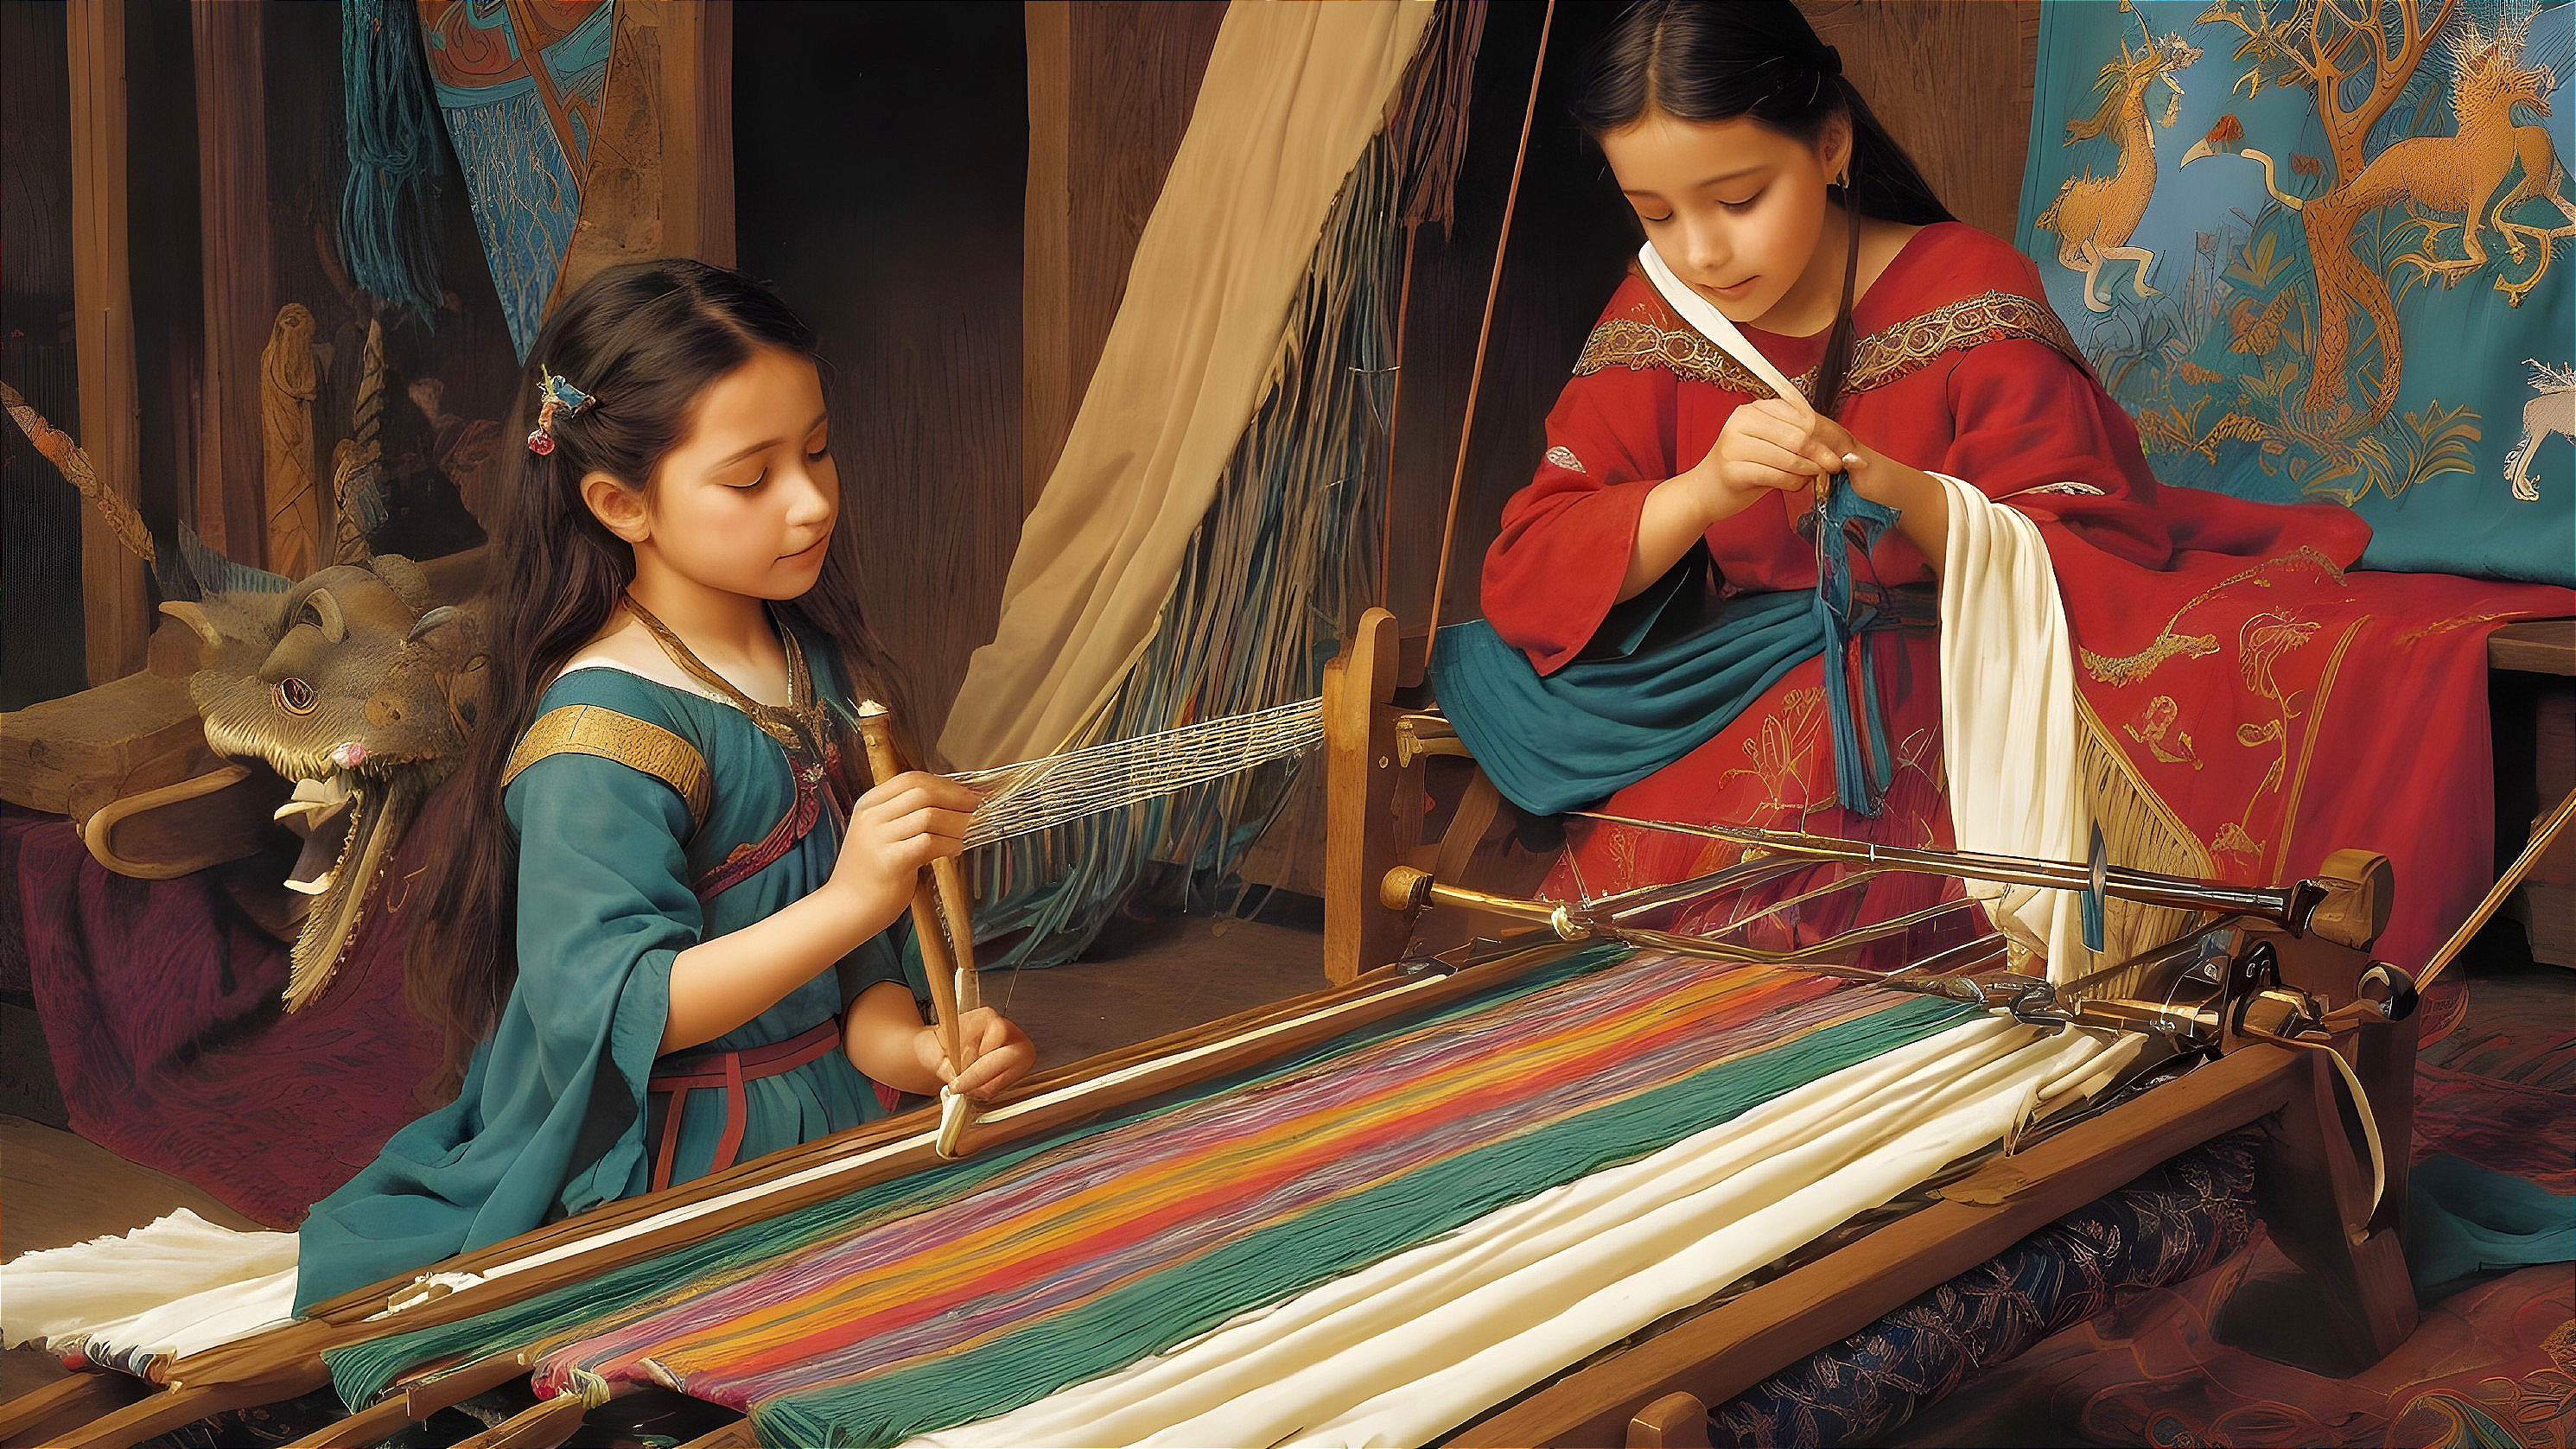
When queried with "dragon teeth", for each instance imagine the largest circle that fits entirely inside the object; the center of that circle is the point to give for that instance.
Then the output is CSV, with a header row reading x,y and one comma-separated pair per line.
x,y
315,887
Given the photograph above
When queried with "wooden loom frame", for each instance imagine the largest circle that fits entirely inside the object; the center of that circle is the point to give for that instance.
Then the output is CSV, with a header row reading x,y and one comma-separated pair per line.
x,y
1657,1389
1654,1390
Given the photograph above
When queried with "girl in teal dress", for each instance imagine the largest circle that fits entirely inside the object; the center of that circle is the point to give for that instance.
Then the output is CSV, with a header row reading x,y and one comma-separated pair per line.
x,y
667,928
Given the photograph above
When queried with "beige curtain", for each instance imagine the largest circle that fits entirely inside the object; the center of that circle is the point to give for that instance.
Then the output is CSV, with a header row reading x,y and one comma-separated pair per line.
x,y
1294,91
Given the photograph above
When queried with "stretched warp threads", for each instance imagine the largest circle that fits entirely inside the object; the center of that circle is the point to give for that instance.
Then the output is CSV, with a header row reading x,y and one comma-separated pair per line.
x,y
1035,795
1428,1338
615,1297
1255,612
389,209
1538,1086
1086,1261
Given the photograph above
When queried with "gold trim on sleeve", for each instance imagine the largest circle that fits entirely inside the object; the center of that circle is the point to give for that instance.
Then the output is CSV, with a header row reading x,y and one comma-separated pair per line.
x,y
589,729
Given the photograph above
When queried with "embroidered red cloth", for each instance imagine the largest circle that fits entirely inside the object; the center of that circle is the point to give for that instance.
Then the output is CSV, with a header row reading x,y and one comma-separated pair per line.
x,y
2267,704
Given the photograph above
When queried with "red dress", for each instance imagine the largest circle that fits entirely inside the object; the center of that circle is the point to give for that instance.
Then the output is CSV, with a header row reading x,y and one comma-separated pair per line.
x,y
2261,703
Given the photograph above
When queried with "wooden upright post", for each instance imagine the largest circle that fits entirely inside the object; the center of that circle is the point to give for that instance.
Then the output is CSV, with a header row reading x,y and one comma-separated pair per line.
x,y
697,131
115,605
232,192
1360,934
1112,84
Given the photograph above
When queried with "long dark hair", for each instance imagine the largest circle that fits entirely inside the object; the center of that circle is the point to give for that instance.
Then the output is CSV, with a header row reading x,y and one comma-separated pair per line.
x,y
644,340
1715,60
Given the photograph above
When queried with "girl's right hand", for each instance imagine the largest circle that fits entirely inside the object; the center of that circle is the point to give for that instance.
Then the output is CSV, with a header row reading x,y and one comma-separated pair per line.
x,y
895,830
1769,446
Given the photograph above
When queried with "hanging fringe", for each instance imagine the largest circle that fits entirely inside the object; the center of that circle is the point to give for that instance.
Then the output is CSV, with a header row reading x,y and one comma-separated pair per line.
x,y
2138,830
1277,568
1257,609
388,213
1434,111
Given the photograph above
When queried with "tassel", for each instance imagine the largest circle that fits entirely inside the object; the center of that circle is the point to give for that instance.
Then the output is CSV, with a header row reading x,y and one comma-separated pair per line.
x,y
1843,520
389,211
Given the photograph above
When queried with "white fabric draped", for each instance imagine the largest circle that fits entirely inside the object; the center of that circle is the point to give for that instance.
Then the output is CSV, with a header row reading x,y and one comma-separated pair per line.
x,y
2010,740
176,1285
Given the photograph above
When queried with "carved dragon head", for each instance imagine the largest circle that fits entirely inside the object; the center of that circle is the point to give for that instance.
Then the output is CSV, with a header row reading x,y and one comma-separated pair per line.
x,y
357,688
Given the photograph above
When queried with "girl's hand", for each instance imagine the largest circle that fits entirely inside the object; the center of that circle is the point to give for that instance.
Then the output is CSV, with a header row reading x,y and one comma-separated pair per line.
x,y
1001,1053
895,830
1770,446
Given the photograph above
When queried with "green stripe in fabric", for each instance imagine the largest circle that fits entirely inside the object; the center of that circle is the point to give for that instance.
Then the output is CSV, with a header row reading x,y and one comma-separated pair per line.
x,y
1342,1236
362,1371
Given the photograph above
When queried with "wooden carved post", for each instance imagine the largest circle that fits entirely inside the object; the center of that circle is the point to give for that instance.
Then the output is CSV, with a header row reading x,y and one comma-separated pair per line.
x,y
116,607
232,190
297,530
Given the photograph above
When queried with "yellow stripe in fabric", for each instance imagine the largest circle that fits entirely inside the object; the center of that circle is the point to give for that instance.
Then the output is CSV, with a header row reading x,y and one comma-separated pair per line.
x,y
1082,1216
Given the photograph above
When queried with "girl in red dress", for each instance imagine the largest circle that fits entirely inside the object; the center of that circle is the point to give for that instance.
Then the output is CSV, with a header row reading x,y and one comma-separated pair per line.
x,y
2200,678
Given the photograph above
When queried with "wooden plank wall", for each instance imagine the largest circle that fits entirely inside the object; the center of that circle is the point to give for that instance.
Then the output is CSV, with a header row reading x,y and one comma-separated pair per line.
x,y
1111,87
878,174
1951,80
238,281
40,557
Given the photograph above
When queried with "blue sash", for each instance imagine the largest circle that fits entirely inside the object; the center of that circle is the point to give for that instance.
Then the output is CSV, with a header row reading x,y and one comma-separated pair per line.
x,y
1666,673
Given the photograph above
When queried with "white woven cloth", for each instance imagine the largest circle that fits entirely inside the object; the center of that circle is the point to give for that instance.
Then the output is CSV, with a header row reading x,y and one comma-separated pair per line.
x,y
1423,1341
176,1285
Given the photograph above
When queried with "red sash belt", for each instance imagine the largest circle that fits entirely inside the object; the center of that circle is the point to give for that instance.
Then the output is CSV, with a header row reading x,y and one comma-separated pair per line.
x,y
729,1070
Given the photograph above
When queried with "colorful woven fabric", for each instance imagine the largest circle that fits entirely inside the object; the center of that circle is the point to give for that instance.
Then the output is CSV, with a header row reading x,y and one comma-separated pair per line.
x,y
977,1288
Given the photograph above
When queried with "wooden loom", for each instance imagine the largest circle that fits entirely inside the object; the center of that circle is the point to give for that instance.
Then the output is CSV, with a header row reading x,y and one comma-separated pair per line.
x,y
1654,1390
2313,1187
1379,872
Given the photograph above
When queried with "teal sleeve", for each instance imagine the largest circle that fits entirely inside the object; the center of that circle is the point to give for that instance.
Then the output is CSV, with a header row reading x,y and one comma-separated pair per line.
x,y
551,1118
890,955
605,906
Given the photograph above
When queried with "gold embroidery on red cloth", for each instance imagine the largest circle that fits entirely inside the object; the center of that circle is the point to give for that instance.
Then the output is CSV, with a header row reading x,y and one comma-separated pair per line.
x,y
2264,646
2118,669
2421,632
2154,724
1644,341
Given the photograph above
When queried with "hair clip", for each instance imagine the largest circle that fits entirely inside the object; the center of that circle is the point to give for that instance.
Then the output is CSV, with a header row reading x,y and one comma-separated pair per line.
x,y
553,393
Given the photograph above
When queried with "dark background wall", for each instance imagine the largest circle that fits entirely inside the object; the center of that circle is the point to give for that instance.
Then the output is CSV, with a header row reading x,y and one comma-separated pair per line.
x,y
878,155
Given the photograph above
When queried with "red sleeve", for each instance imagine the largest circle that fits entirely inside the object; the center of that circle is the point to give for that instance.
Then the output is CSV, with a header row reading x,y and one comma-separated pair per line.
x,y
2032,427
1555,569
2029,422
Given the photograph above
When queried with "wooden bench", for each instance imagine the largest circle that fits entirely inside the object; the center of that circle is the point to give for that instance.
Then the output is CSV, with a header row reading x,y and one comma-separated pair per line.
x,y
2532,667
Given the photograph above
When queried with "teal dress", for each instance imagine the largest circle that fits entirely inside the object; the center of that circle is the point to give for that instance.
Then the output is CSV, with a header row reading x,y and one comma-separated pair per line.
x,y
556,1115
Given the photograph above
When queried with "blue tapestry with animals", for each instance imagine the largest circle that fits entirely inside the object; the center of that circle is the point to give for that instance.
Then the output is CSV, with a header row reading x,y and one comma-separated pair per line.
x,y
2326,249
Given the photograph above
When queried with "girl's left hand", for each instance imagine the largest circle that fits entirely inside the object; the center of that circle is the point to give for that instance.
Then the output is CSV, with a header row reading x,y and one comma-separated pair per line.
x,y
999,1053
1871,472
